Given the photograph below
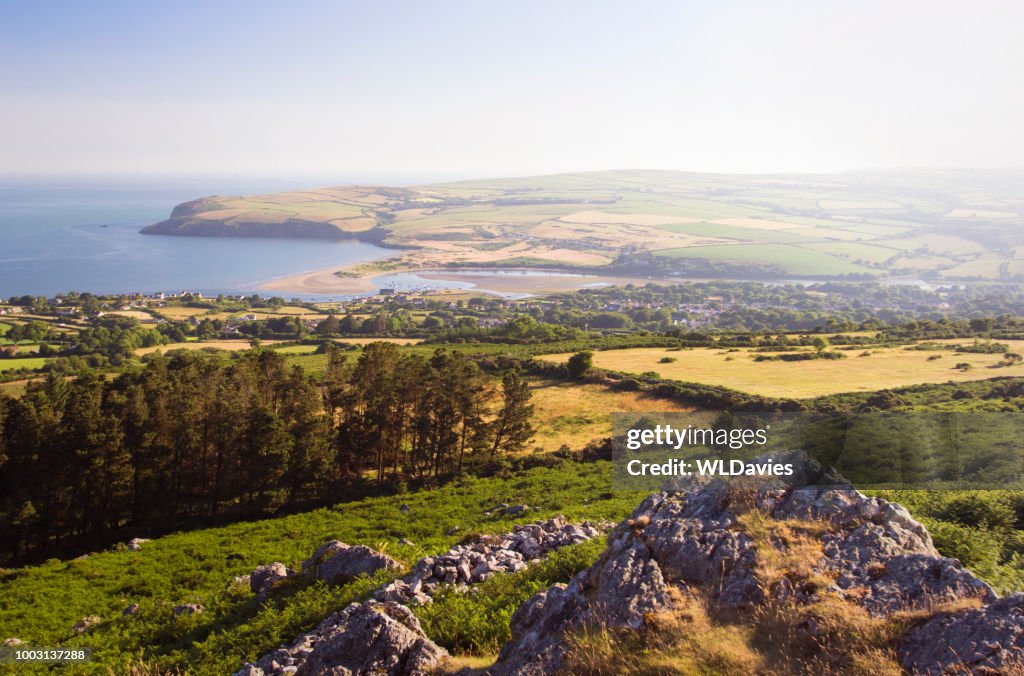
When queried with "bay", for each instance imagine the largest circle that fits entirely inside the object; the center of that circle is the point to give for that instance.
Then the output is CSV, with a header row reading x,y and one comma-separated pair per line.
x,y
58,236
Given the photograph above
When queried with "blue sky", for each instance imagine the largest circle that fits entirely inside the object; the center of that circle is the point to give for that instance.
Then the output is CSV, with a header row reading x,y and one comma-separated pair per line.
x,y
484,88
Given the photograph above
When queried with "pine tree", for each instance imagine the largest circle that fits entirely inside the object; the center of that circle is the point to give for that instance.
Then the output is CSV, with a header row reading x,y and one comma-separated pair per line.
x,y
512,428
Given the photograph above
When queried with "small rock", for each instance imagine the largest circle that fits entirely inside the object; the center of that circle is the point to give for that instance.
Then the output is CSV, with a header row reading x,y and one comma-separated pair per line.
x,y
238,581
406,543
12,642
130,609
86,623
405,509
135,544
513,510
188,609
264,579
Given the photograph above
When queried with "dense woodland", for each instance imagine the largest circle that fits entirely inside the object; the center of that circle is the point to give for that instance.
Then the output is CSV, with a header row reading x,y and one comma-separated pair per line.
x,y
192,438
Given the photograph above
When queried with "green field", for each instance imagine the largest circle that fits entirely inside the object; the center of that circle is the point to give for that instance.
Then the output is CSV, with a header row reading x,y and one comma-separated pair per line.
x,y
30,363
740,234
855,251
296,349
792,259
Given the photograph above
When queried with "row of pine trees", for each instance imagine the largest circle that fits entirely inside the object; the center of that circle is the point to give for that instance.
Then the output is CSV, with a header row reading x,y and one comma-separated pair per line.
x,y
193,438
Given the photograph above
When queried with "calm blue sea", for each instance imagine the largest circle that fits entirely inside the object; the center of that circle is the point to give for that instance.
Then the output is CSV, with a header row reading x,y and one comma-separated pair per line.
x,y
75,236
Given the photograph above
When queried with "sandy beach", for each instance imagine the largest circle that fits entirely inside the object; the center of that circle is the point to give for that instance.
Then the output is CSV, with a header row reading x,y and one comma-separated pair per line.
x,y
320,281
503,280
510,282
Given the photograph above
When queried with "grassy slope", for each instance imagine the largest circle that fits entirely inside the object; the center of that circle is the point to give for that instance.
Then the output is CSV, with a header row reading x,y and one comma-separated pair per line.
x,y
41,603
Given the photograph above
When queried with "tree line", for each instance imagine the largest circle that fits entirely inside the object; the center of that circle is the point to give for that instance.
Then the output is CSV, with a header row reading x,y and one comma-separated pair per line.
x,y
194,438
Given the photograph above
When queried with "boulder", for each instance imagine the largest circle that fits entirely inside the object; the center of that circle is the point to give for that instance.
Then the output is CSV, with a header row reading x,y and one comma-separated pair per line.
x,y
324,551
373,638
348,562
264,579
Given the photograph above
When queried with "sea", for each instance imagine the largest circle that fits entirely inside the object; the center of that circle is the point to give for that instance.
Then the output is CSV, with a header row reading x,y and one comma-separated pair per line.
x,y
79,235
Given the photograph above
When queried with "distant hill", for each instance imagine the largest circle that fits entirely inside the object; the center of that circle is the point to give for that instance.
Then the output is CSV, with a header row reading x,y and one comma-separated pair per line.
x,y
939,224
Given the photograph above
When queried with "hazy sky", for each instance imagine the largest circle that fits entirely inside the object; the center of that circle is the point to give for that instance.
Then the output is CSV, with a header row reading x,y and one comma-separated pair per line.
x,y
488,88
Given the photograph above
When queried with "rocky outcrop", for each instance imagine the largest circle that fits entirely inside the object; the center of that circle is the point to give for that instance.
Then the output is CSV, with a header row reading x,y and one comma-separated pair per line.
x,y
691,538
377,638
726,544
877,553
500,553
474,561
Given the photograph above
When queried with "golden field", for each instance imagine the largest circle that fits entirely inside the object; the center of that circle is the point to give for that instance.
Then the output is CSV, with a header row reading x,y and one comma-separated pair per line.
x,y
574,414
883,368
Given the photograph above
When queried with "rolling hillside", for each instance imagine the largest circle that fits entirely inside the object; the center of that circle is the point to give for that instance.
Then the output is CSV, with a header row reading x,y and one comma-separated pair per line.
x,y
954,225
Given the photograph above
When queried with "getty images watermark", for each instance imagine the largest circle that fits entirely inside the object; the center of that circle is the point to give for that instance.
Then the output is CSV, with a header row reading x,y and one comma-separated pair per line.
x,y
870,450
